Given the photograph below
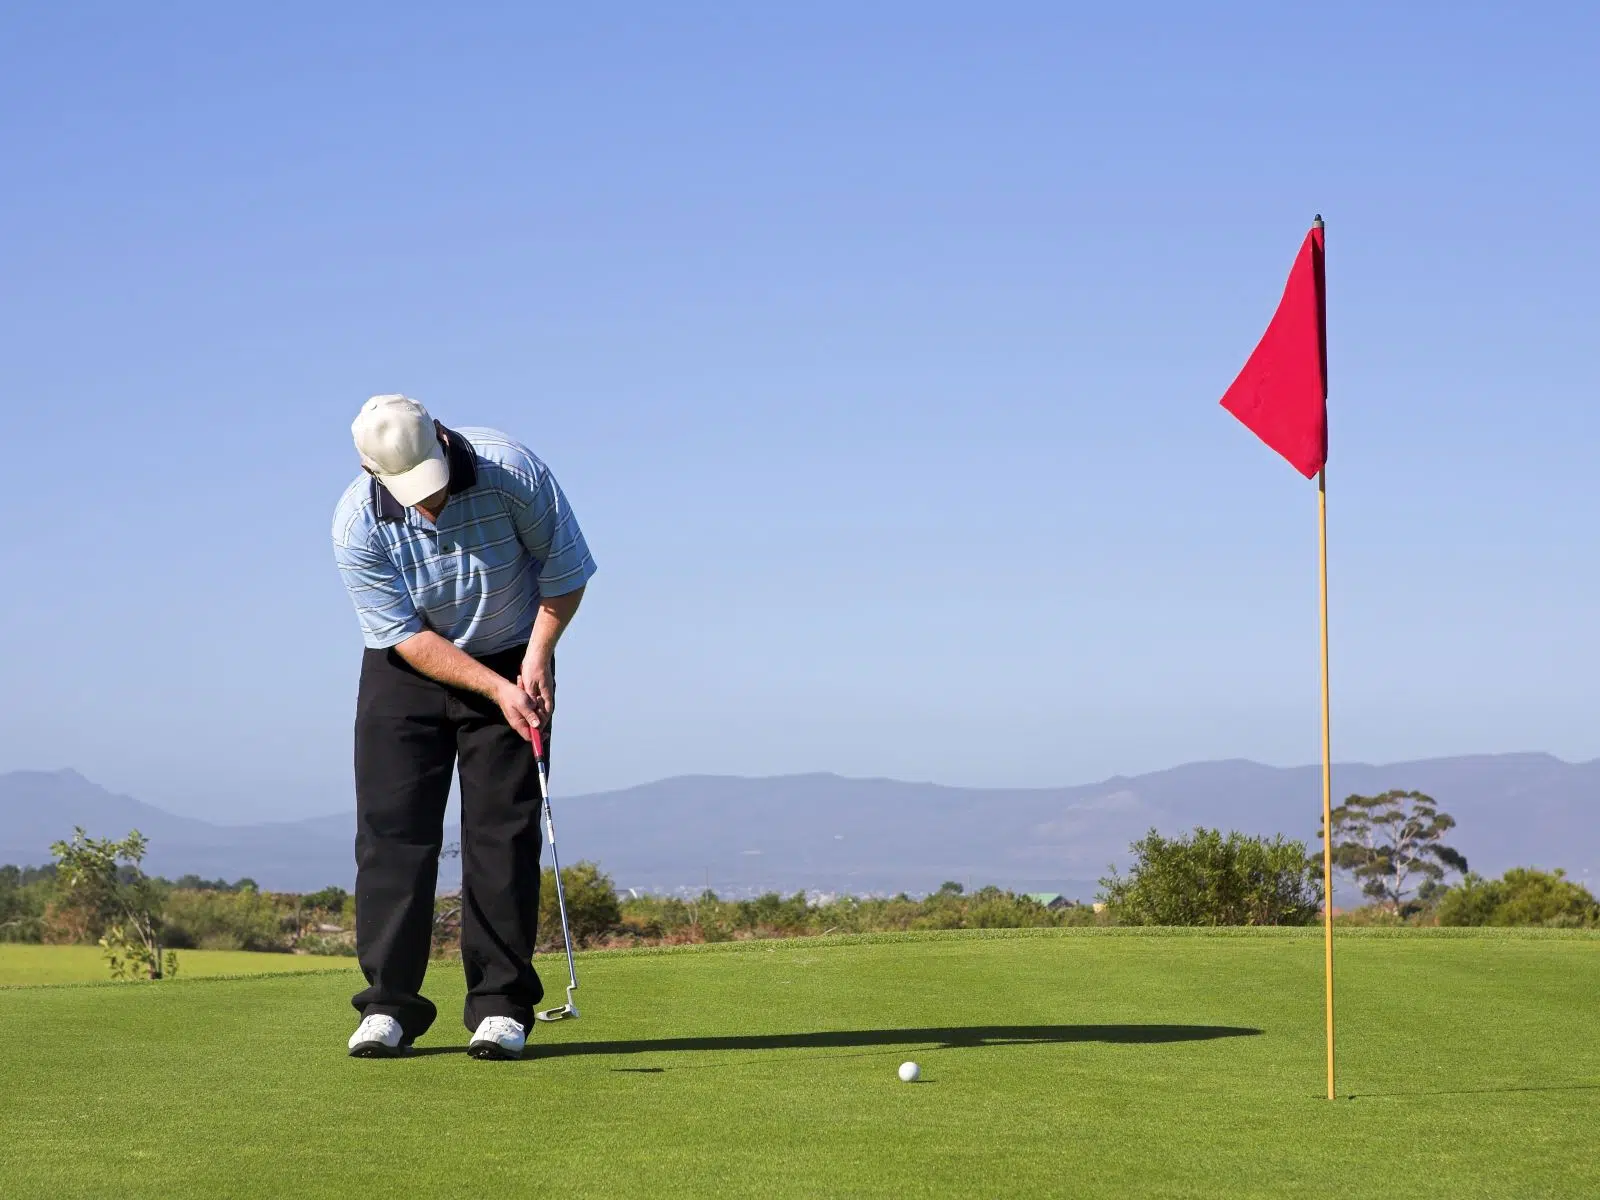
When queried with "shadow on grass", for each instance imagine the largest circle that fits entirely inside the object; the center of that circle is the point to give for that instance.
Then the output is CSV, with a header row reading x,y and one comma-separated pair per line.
x,y
945,1038
951,1038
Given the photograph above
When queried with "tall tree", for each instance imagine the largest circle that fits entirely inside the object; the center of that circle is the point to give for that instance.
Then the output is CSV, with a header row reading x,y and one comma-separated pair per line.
x,y
1392,844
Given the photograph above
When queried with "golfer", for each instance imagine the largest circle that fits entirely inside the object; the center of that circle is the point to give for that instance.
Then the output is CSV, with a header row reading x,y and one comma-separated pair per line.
x,y
465,564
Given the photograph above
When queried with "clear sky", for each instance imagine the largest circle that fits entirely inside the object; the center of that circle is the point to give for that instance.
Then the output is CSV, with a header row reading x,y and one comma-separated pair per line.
x,y
878,348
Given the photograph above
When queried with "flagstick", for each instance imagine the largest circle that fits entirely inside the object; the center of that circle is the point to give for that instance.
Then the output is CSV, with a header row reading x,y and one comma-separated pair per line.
x,y
1327,771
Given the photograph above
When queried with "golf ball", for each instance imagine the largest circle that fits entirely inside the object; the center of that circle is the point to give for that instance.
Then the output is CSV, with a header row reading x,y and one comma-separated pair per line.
x,y
910,1072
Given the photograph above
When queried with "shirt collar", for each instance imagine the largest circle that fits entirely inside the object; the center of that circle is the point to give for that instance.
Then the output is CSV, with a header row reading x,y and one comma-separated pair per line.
x,y
463,475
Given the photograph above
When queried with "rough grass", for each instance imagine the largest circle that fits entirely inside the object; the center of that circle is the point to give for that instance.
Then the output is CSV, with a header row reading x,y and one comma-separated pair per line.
x,y
1060,1063
27,966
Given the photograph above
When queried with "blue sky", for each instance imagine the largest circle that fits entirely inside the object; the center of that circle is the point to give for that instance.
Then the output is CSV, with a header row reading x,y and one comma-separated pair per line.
x,y
877,347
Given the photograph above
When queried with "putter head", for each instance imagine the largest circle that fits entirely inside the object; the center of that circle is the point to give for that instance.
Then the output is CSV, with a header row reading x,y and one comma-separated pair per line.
x,y
564,1012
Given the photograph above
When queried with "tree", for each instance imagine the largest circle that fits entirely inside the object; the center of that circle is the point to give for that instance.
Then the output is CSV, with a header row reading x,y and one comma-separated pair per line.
x,y
122,900
1208,879
1391,844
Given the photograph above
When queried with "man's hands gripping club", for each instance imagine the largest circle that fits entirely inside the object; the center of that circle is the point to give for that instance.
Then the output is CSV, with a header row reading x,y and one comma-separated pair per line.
x,y
537,679
529,702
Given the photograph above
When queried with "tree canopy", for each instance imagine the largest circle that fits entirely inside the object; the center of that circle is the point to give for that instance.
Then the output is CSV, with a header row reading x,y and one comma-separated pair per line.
x,y
1392,844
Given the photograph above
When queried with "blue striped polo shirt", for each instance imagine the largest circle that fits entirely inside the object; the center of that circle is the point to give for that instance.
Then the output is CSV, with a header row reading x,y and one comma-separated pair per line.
x,y
506,537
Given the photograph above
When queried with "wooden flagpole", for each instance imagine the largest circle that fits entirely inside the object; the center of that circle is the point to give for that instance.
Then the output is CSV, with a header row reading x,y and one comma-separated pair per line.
x,y
1327,746
1327,771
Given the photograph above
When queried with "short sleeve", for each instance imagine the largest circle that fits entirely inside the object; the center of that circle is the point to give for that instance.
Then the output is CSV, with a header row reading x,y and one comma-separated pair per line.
x,y
384,607
549,531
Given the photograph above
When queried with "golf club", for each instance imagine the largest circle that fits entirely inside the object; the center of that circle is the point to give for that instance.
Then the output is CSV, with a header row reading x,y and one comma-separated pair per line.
x,y
569,1009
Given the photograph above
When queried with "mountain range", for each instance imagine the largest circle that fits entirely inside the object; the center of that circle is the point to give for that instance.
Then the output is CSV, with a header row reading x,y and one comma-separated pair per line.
x,y
832,834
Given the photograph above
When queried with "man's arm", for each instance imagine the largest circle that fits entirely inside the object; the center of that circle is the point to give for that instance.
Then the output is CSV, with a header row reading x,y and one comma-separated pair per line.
x,y
538,679
441,660
550,533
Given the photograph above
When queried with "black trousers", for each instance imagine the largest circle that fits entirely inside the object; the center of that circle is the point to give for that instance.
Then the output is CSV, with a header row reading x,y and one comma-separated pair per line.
x,y
410,732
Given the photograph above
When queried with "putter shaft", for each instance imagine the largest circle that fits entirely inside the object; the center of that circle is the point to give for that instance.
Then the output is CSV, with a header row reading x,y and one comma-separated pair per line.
x,y
569,1009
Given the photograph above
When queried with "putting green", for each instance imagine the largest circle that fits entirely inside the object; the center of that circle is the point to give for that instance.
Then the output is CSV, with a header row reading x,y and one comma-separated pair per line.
x,y
1061,1063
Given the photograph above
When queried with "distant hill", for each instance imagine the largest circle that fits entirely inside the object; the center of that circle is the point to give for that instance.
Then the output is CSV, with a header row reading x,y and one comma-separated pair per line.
x,y
39,807
824,832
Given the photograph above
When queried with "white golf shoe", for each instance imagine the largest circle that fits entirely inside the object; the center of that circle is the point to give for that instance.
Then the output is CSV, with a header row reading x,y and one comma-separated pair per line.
x,y
377,1037
498,1037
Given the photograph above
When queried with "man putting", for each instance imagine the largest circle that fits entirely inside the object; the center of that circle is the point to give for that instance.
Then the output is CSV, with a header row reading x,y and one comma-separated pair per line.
x,y
465,564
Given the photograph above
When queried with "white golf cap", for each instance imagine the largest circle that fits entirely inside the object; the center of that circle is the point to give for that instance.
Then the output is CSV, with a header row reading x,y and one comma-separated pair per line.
x,y
399,444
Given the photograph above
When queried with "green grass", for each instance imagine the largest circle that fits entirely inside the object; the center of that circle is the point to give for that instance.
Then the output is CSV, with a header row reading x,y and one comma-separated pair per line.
x,y
1072,1063
29,966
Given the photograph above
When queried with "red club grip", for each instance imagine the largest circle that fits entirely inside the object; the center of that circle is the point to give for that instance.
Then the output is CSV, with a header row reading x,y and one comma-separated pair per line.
x,y
538,742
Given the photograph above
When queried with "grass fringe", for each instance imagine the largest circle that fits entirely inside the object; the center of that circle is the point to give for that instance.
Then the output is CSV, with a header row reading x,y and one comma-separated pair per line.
x,y
1284,933
833,940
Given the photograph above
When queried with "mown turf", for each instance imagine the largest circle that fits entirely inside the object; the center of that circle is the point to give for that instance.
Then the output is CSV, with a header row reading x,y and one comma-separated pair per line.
x,y
25,966
1073,1064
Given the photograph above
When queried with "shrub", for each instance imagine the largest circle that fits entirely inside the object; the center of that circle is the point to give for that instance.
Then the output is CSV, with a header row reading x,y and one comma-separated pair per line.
x,y
1473,901
1208,879
1523,896
25,892
592,909
327,944
707,918
330,900
771,912
100,881
231,920
1382,916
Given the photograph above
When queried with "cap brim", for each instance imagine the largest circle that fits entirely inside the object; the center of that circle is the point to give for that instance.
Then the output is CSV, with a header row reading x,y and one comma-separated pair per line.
x,y
421,481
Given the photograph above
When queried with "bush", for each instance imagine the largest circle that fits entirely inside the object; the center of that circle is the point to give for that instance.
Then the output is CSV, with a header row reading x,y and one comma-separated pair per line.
x,y
1382,916
707,918
592,909
330,900
231,920
1523,896
69,924
771,912
332,944
194,883
1208,879
25,893
100,881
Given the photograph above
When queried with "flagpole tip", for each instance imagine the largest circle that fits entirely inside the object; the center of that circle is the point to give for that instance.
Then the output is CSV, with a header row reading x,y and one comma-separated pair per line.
x,y
1317,221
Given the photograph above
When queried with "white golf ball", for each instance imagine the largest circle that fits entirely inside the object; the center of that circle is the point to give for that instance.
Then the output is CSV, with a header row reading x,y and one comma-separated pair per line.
x,y
910,1072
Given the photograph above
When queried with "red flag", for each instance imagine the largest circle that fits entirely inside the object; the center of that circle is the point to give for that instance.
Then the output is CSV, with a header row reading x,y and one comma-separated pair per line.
x,y
1282,393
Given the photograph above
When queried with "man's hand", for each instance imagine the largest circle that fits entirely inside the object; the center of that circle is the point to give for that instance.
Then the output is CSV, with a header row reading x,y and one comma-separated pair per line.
x,y
538,682
441,660
537,677
529,703
519,709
